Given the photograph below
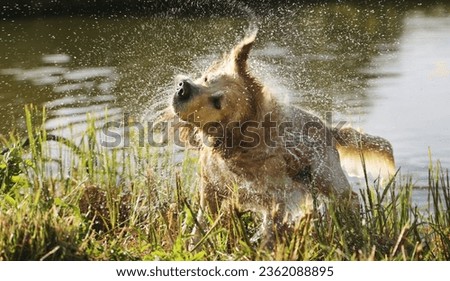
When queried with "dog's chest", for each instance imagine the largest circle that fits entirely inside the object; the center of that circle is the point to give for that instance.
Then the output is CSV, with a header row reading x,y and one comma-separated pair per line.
x,y
260,182
261,171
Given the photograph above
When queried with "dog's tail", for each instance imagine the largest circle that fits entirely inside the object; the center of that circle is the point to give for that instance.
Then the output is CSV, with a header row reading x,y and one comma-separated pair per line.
x,y
362,154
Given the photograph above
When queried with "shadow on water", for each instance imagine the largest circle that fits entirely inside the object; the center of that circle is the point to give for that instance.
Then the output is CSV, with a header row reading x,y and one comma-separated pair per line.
x,y
353,60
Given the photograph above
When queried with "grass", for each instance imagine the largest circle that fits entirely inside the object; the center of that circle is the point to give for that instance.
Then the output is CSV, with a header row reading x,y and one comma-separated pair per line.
x,y
134,204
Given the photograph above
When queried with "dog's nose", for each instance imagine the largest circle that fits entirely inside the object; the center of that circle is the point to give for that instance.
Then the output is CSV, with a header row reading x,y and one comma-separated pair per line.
x,y
184,90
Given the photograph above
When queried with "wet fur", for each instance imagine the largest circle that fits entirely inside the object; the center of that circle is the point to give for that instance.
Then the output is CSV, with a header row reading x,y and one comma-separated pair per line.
x,y
227,115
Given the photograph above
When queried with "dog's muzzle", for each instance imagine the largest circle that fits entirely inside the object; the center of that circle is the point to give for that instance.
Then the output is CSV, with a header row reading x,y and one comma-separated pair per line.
x,y
184,93
185,90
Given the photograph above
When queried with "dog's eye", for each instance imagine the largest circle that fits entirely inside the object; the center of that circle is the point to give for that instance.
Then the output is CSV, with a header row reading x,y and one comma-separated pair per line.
x,y
216,101
206,79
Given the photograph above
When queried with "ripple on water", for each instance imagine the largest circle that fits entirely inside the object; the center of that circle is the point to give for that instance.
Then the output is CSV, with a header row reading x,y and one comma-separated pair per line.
x,y
78,94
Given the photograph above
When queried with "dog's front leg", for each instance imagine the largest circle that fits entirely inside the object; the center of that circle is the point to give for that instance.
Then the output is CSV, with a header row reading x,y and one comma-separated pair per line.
x,y
210,205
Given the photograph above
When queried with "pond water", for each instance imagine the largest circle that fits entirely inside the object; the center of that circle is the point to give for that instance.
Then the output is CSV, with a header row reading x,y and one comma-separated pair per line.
x,y
385,69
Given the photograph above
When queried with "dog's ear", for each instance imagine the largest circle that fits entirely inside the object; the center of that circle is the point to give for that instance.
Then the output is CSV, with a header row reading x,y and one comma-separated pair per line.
x,y
240,53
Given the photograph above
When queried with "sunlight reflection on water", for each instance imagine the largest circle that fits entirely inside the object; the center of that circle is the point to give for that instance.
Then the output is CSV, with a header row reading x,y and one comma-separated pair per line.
x,y
412,107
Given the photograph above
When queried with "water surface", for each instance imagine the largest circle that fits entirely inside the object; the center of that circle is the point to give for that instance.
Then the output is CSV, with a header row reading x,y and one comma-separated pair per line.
x,y
385,69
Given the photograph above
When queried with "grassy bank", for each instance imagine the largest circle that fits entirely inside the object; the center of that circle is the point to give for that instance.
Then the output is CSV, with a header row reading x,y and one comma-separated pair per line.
x,y
134,204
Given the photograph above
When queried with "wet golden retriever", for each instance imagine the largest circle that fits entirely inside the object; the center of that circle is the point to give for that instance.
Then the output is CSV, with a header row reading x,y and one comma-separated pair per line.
x,y
260,154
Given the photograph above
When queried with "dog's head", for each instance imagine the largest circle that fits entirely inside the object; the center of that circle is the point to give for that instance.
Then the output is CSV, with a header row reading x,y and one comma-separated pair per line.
x,y
223,94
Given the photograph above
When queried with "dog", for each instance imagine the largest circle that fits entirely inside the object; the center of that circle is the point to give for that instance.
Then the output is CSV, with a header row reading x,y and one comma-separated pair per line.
x,y
260,154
